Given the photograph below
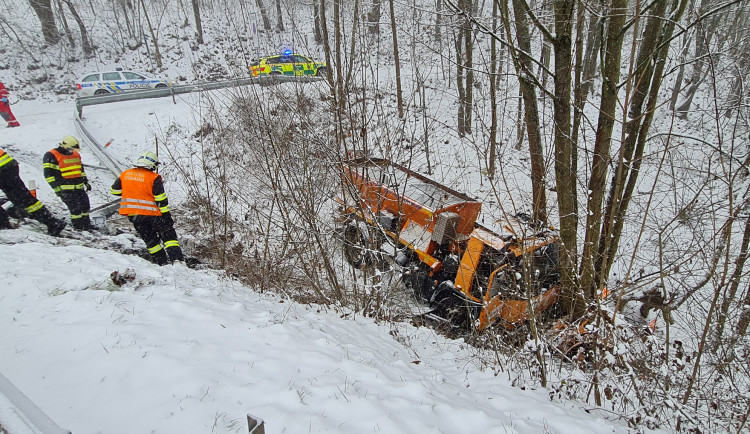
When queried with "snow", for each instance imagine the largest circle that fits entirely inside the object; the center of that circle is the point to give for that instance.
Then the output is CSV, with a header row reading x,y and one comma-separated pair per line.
x,y
183,350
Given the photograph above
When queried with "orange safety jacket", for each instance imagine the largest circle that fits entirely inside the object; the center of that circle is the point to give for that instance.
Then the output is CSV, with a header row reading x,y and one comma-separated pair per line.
x,y
70,165
138,192
64,171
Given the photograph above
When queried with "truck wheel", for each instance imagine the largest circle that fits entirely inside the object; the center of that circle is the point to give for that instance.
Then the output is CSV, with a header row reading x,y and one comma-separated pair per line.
x,y
452,309
422,284
355,251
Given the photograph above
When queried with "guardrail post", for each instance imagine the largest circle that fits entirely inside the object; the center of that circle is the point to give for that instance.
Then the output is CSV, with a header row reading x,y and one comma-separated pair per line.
x,y
255,425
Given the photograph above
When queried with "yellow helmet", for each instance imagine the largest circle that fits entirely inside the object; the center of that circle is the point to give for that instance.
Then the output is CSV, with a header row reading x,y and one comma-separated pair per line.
x,y
147,160
70,142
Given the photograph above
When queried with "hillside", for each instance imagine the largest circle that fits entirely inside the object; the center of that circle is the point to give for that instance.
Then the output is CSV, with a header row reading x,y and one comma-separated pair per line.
x,y
621,126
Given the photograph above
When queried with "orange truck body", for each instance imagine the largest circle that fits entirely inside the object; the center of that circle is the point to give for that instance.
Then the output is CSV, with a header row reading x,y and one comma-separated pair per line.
x,y
436,223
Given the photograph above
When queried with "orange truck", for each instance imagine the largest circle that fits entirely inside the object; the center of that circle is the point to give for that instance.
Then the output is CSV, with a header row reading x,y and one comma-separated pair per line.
x,y
470,275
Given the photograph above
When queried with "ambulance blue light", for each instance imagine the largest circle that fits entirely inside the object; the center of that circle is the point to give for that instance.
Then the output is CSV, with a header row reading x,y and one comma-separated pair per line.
x,y
287,52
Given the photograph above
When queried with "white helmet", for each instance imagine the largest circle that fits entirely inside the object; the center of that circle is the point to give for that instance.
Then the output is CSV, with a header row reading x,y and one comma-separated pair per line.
x,y
69,142
147,160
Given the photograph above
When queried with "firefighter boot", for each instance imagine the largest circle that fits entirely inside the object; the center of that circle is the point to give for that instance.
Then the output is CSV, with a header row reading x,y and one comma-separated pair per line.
x,y
54,225
160,257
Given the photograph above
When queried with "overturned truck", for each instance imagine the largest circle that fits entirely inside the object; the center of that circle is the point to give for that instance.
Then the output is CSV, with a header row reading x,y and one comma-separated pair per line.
x,y
471,276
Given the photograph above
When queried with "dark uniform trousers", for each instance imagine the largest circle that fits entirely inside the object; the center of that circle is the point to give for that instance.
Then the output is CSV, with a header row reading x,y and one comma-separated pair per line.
x,y
155,230
78,203
15,190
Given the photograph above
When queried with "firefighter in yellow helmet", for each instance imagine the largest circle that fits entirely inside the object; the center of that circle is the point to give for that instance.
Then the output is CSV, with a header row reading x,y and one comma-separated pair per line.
x,y
145,203
15,190
65,173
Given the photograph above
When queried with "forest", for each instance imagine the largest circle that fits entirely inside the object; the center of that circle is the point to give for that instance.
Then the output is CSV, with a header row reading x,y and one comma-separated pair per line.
x,y
623,124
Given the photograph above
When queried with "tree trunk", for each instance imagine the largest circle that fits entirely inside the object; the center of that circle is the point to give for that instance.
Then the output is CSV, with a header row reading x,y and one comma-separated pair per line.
x,y
648,78
157,54
373,18
527,87
279,19
64,23
611,63
317,33
493,97
468,100
566,178
263,14
43,10
399,95
198,21
88,47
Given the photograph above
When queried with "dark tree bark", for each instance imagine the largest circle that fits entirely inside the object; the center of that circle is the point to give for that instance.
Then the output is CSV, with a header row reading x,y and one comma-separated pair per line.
x,y
524,69
263,14
43,10
565,177
198,21
157,54
373,18
493,100
648,77
317,33
399,96
88,47
279,19
600,162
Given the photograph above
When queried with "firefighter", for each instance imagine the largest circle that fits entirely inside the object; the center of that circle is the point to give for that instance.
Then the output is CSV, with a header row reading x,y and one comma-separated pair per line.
x,y
65,173
15,190
5,108
145,204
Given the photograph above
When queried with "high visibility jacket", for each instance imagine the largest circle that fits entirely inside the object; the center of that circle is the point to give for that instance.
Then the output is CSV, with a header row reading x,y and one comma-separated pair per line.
x,y
142,192
6,161
63,170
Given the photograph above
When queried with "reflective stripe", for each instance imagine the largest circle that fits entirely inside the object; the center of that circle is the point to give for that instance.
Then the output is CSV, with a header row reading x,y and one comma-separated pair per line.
x,y
34,207
164,209
72,186
115,192
155,249
4,158
129,206
137,195
70,166
171,243
160,197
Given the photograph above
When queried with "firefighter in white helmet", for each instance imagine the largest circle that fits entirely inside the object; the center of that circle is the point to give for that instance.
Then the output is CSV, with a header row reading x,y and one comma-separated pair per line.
x,y
145,203
65,173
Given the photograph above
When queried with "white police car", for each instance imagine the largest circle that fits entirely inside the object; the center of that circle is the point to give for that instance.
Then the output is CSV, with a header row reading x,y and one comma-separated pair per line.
x,y
118,81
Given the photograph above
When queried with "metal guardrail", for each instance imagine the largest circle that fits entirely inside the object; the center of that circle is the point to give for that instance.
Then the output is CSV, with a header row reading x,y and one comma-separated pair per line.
x,y
187,88
19,415
113,166
109,208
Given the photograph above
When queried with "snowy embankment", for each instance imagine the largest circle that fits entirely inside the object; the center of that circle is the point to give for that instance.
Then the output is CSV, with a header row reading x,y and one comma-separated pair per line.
x,y
181,350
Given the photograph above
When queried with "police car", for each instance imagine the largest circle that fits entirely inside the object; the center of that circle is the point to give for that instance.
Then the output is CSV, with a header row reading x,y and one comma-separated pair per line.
x,y
118,81
287,63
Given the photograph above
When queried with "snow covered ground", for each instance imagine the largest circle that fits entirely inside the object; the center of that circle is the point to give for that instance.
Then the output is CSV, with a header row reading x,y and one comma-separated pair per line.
x,y
181,350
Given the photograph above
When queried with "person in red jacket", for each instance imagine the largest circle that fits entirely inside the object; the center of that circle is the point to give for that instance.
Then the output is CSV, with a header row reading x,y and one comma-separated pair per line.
x,y
5,108
65,173
16,191
145,203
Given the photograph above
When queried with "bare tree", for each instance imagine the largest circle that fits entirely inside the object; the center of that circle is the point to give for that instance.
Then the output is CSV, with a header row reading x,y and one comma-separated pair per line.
x,y
279,17
43,10
157,55
198,21
88,47
397,61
